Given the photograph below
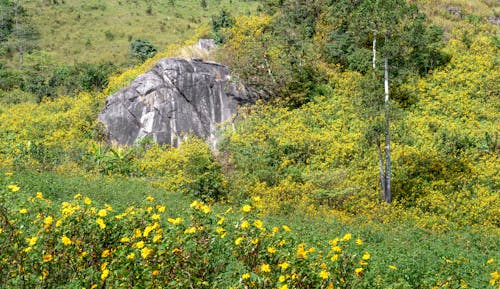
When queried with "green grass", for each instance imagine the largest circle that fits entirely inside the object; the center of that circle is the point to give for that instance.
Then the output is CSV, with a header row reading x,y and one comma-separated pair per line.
x,y
97,31
120,192
422,258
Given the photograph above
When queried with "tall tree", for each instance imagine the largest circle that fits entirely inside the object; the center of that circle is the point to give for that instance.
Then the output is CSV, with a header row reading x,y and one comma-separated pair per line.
x,y
386,22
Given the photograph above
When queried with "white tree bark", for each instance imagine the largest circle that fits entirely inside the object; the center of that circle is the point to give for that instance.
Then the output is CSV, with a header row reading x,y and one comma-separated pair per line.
x,y
388,169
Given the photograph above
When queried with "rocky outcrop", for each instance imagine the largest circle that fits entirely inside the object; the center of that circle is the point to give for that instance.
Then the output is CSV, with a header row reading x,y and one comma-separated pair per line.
x,y
175,97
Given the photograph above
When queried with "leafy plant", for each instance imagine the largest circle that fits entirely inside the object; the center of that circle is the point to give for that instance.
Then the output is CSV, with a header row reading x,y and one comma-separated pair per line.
x,y
142,49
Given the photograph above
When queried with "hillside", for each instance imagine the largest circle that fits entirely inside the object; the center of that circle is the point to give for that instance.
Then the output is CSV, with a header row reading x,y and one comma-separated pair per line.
x,y
100,31
356,170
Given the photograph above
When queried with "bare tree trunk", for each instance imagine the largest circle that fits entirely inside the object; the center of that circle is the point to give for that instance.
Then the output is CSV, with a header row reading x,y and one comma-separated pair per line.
x,y
374,46
381,166
387,191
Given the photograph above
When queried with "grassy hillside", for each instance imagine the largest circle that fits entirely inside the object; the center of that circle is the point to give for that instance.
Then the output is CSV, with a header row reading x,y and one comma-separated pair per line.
x,y
98,31
292,197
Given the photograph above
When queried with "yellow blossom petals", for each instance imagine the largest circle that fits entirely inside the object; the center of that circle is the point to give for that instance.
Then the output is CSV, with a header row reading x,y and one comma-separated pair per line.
x,y
324,274
66,241
246,208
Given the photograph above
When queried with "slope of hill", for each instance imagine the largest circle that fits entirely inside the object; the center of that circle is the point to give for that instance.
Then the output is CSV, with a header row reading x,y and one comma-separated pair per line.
x,y
97,31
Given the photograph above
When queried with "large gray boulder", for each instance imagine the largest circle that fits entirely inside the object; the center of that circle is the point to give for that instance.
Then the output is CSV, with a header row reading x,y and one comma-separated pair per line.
x,y
175,97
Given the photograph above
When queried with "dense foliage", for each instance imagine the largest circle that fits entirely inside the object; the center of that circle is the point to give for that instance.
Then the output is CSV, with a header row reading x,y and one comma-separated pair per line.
x,y
304,154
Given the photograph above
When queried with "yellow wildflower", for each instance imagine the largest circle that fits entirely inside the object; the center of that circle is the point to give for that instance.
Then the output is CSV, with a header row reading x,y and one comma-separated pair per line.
x,y
358,271
44,275
108,207
336,249
150,199
104,274
102,213
125,240
155,217
392,267
334,258
32,241
145,252
39,195
238,240
139,245
265,268
77,196
282,279
286,228
301,253
101,223
245,225
284,287
206,209
138,233
245,276
366,256
196,205
8,174
347,237
66,241
255,241
359,242
161,209
156,238
175,221
221,221
23,211
47,258
147,230
334,242
246,208
271,250
190,230
87,201
221,231
284,265
105,253
131,256
490,260
13,188
48,221
494,277
324,274
258,224
363,263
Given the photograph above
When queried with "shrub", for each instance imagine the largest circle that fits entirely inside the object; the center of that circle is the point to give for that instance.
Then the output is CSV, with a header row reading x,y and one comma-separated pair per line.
x,y
82,244
142,49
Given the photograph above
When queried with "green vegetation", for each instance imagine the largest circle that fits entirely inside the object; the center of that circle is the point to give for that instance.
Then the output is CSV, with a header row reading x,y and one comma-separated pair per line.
x,y
292,198
54,48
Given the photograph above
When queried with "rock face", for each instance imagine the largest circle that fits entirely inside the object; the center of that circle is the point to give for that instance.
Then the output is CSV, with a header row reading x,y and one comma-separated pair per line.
x,y
176,97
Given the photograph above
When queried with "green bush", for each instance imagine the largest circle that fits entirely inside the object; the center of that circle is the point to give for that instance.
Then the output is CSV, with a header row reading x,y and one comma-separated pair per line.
x,y
142,49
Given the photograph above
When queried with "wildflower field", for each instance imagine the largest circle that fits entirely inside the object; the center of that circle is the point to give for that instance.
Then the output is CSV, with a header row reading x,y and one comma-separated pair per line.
x,y
76,242
291,198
